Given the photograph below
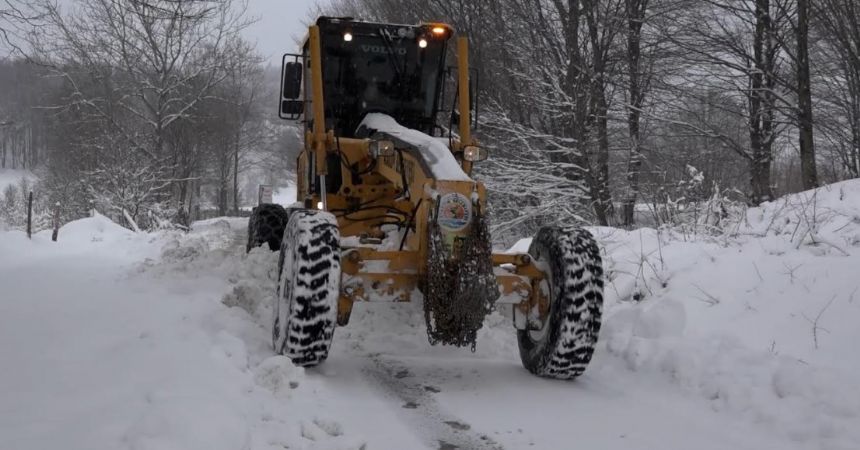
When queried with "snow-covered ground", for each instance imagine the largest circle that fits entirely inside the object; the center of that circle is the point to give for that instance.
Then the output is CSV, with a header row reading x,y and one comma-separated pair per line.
x,y
116,340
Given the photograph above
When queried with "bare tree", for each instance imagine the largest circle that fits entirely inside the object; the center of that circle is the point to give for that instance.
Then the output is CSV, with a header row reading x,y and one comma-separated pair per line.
x,y
636,87
559,62
839,67
735,48
169,55
140,70
809,172
12,17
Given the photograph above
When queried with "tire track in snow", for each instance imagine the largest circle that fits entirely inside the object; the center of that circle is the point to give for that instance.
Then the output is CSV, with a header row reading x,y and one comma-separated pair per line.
x,y
438,428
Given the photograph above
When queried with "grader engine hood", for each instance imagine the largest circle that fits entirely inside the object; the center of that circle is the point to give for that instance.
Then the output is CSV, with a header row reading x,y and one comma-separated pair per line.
x,y
460,287
454,194
438,160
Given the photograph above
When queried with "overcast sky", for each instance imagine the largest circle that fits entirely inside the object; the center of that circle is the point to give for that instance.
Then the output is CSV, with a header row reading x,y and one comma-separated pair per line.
x,y
278,29
280,25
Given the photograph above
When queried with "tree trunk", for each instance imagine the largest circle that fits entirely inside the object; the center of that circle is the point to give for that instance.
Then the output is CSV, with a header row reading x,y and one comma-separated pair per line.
x,y
56,222
760,177
575,125
809,172
602,196
15,143
30,215
854,94
222,198
198,194
603,200
183,203
635,10
855,148
761,107
236,176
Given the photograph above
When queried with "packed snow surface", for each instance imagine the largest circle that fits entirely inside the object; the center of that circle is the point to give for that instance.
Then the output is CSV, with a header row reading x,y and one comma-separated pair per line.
x,y
438,156
119,340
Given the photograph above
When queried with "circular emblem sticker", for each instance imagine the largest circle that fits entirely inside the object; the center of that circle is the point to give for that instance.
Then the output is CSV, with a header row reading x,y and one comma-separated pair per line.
x,y
455,211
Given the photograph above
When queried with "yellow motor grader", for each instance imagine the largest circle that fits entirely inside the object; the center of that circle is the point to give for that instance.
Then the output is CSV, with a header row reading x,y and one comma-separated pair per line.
x,y
388,209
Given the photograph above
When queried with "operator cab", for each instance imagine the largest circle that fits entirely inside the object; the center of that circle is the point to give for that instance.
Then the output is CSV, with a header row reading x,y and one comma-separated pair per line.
x,y
368,67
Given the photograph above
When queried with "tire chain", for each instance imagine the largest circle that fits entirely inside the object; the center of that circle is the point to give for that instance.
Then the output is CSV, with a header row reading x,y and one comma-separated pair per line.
x,y
460,291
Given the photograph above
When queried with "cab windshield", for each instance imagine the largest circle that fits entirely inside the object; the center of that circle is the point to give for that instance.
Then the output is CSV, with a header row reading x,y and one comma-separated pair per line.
x,y
380,69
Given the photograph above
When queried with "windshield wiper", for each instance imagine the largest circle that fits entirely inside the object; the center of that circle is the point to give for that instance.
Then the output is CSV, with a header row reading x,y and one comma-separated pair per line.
x,y
398,71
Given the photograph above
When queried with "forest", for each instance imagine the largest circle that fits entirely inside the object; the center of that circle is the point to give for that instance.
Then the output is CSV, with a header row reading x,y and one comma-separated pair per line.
x,y
148,112
612,112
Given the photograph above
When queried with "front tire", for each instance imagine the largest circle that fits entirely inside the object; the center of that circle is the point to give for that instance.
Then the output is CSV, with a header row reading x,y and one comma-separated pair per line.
x,y
266,226
563,347
305,310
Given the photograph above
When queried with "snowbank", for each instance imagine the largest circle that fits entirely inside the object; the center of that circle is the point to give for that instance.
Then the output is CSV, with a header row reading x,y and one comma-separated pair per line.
x,y
83,236
760,322
94,229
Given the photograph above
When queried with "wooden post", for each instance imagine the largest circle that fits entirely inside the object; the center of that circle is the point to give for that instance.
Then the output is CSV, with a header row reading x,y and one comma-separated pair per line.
x,y
56,222
30,216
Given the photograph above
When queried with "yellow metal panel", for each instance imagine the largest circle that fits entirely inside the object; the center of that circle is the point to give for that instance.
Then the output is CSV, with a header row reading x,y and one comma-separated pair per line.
x,y
318,103
463,94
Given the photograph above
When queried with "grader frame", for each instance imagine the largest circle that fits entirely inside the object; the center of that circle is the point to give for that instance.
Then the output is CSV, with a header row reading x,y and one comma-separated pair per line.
x,y
398,182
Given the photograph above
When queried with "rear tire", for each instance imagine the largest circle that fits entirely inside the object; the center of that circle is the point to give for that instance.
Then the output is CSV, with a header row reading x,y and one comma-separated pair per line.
x,y
305,310
266,226
563,347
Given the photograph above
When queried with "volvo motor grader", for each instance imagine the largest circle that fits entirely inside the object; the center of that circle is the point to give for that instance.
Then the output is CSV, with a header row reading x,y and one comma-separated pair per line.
x,y
388,209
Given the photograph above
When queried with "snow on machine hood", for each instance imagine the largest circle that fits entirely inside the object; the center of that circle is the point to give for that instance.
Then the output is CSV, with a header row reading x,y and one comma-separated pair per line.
x,y
439,158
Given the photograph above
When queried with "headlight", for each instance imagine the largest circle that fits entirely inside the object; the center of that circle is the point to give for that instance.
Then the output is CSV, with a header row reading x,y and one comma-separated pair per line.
x,y
381,148
474,153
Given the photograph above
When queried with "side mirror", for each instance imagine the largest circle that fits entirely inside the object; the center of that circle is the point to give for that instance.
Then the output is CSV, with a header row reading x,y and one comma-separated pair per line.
x,y
474,153
292,109
292,83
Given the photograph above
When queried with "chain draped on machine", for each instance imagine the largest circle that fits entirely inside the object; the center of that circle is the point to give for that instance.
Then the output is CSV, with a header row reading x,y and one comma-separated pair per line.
x,y
461,288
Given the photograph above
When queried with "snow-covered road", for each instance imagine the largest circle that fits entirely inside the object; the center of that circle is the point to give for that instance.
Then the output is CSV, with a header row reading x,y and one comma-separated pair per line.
x,y
115,340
